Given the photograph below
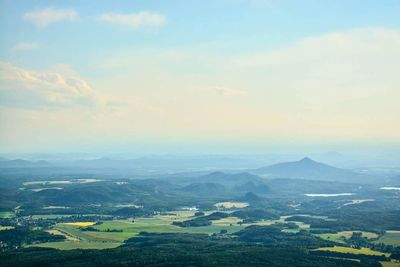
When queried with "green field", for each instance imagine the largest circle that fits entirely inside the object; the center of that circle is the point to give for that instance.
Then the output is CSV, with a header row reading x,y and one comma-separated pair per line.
x,y
130,228
54,216
6,227
365,251
6,214
390,238
156,224
341,237
390,263
68,245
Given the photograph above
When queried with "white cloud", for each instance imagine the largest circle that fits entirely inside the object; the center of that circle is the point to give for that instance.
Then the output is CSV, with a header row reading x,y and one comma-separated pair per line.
x,y
134,20
25,89
225,91
24,46
44,17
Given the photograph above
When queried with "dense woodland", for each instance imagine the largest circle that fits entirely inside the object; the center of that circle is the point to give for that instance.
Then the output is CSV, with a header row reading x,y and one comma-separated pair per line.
x,y
178,250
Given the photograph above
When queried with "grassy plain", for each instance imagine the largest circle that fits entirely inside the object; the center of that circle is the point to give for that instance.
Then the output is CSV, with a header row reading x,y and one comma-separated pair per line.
x,y
365,251
341,237
6,228
68,245
6,214
157,224
81,224
390,263
390,238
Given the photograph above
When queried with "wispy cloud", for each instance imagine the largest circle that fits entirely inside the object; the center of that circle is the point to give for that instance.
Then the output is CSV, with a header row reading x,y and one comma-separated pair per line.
x,y
24,46
44,17
134,20
20,88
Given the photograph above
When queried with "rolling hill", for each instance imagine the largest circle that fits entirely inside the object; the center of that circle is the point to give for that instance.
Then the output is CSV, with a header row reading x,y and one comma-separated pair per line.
x,y
309,169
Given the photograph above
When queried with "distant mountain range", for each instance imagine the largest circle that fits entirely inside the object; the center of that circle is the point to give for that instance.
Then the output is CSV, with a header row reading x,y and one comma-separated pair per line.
x,y
305,168
221,183
20,163
309,169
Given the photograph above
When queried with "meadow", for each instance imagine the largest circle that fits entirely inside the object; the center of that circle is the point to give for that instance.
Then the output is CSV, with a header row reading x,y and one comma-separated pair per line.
x,y
6,214
390,263
341,237
113,233
157,224
365,251
390,238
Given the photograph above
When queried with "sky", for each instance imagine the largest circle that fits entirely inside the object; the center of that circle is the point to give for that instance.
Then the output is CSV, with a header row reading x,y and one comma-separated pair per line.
x,y
220,75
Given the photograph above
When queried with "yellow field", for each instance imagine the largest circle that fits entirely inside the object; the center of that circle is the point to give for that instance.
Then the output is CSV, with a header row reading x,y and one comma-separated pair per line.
x,y
81,224
58,232
390,263
6,227
365,251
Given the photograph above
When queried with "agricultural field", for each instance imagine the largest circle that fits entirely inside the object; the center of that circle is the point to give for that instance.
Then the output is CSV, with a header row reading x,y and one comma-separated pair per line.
x,y
69,245
6,227
55,216
390,238
6,214
365,251
81,224
114,233
231,205
390,263
341,237
58,232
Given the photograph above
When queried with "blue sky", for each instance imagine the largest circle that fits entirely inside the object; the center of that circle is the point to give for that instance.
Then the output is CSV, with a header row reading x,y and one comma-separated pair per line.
x,y
102,73
228,25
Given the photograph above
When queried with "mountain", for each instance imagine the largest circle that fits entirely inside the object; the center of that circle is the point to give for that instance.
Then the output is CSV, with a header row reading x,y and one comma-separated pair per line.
x,y
309,169
251,197
253,186
205,189
229,179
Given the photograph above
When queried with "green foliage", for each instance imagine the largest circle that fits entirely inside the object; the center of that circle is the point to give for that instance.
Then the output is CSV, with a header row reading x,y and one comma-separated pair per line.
x,y
173,250
254,214
274,236
15,238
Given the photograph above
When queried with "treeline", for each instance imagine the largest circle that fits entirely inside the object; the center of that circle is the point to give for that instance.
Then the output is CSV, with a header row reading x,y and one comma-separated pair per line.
x,y
275,237
92,229
174,250
248,215
372,221
19,236
363,257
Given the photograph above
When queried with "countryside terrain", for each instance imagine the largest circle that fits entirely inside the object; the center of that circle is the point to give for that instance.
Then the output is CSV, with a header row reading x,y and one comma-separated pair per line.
x,y
300,213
